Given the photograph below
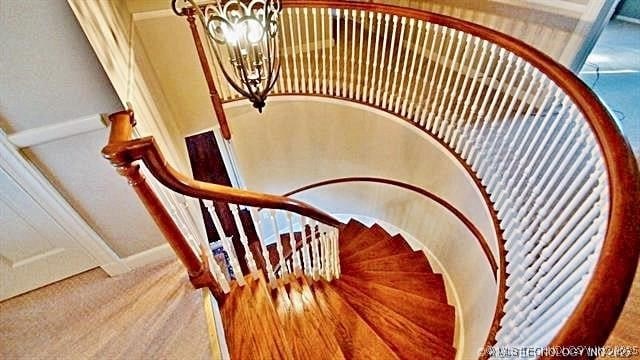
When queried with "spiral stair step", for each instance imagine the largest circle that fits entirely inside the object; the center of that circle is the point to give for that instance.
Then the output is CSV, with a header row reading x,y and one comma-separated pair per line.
x,y
387,304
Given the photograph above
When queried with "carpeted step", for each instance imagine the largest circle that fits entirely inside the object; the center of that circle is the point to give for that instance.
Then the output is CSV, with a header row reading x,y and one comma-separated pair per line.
x,y
402,335
434,316
356,338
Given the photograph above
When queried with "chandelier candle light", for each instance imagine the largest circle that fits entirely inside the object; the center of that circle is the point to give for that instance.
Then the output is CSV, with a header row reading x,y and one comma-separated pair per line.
x,y
243,35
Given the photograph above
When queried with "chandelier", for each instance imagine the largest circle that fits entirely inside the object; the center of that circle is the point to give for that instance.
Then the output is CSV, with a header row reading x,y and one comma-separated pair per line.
x,y
243,35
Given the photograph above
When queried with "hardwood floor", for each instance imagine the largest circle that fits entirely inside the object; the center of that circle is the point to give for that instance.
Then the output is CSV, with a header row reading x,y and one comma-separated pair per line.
x,y
388,304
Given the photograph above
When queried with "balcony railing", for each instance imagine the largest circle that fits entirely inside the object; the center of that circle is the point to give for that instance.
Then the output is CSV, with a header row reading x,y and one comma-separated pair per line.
x,y
559,175
555,169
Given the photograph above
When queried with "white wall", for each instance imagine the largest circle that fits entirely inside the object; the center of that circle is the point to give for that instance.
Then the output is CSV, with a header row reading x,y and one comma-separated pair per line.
x,y
50,76
298,142
437,230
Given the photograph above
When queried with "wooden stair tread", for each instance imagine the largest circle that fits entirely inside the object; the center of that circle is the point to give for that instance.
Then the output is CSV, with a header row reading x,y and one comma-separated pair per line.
x,y
400,239
374,236
357,339
302,321
433,316
388,304
405,338
413,262
349,234
381,249
247,315
425,285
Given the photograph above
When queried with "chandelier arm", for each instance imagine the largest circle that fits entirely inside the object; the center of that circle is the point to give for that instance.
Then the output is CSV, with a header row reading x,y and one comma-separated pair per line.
x,y
254,61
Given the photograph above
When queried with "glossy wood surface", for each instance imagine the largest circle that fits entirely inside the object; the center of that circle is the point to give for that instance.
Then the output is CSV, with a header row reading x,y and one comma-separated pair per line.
x,y
369,313
442,202
121,150
604,299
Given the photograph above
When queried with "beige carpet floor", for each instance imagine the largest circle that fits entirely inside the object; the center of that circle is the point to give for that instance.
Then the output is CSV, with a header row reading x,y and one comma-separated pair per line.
x,y
150,313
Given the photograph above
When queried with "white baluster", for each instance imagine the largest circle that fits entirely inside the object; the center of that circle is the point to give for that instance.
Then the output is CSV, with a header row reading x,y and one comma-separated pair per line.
x,y
488,117
358,80
438,121
397,92
226,244
336,253
294,52
308,40
286,56
475,137
407,90
384,48
300,52
257,220
279,246
315,250
375,60
433,84
353,53
251,263
420,80
306,255
295,255
368,70
468,97
392,53
447,124
343,84
496,137
323,12
315,48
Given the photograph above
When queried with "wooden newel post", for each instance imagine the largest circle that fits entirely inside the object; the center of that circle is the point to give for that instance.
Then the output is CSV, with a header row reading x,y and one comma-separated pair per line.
x,y
197,266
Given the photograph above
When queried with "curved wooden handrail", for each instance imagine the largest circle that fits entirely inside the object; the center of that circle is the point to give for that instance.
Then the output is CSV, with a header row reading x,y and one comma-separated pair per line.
x,y
120,150
613,275
426,193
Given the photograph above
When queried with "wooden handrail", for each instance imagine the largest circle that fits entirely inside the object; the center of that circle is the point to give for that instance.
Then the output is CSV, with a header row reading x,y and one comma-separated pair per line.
x,y
612,277
122,152
197,266
423,192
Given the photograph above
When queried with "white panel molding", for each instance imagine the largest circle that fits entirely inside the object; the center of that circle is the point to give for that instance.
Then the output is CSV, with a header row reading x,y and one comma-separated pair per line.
x,y
152,14
45,134
150,256
37,186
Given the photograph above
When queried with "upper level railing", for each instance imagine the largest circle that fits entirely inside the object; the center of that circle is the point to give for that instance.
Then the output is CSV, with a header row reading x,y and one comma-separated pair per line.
x,y
561,177
318,245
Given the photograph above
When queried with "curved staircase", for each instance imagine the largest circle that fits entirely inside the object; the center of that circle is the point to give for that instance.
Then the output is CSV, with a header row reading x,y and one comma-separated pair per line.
x,y
387,304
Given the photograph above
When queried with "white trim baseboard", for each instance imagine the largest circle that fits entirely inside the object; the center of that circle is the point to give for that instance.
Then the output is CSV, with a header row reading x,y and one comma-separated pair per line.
x,y
150,256
61,130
